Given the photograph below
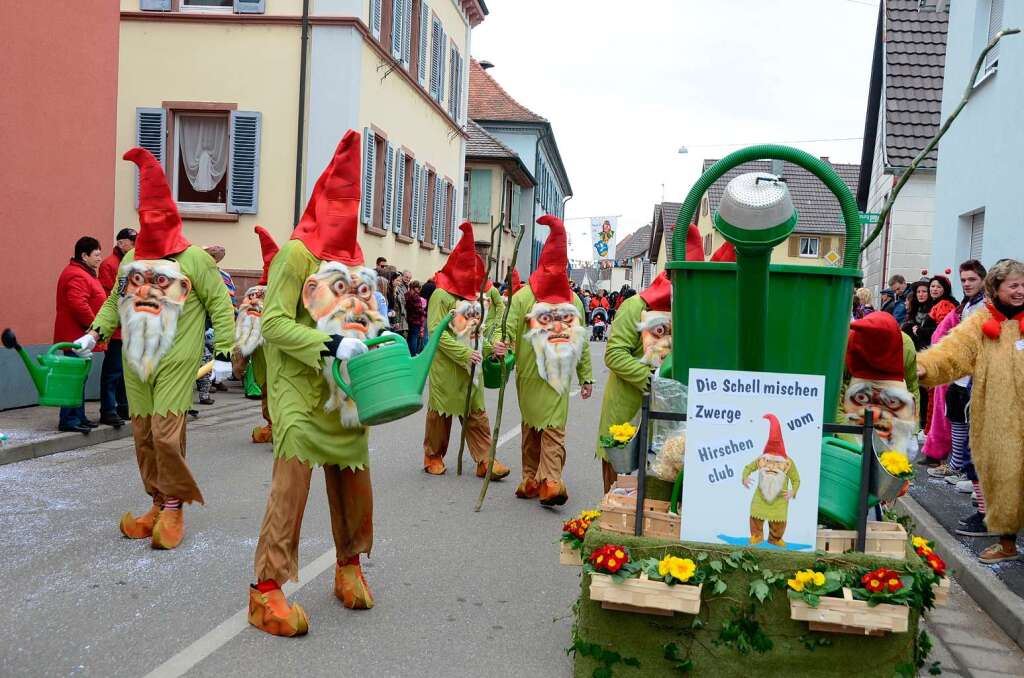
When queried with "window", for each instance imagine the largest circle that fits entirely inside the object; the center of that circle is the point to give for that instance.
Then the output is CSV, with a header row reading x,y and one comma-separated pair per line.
x,y
405,211
977,232
200,161
438,40
466,178
456,64
207,5
809,247
707,245
995,23
391,23
379,176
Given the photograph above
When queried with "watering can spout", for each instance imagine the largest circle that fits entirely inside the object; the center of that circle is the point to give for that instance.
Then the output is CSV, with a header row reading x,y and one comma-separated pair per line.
x,y
422,362
59,379
36,372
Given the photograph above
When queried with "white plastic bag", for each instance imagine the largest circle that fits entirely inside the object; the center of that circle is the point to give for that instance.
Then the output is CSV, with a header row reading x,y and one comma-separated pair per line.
x,y
668,438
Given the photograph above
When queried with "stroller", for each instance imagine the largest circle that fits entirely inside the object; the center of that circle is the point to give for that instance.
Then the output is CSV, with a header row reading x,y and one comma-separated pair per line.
x,y
598,324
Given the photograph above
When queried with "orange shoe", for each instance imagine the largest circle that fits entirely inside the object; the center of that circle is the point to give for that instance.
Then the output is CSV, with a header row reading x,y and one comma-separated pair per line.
x,y
141,527
553,493
263,434
434,465
269,611
169,529
350,585
528,489
497,473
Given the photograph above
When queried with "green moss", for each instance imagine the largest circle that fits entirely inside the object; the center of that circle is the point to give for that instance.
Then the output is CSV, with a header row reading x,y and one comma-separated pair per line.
x,y
663,643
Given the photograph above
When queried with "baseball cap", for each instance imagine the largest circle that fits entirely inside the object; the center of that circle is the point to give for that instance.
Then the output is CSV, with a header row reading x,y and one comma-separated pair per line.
x,y
127,234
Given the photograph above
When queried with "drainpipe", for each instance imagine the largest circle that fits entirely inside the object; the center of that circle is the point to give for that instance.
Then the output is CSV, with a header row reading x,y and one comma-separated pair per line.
x,y
536,174
300,125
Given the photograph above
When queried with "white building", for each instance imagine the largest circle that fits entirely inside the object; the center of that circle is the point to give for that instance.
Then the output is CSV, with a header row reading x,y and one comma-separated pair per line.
x,y
904,98
979,211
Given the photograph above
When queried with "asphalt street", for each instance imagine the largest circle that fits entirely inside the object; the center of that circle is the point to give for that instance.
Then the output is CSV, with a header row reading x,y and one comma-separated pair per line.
x,y
457,593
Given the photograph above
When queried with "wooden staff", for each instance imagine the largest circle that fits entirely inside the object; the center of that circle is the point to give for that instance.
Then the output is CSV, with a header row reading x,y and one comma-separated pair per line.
x,y
504,375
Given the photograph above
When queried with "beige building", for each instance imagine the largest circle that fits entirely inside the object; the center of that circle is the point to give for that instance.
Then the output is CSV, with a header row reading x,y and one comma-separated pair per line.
x,y
244,102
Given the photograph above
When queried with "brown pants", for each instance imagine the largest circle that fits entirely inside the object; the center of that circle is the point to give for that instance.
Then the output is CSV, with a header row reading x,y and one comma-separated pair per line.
x,y
439,428
349,498
160,451
776,528
608,474
543,453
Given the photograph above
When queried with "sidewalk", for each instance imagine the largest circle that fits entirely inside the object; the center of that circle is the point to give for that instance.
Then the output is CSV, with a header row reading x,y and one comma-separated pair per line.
x,y
32,431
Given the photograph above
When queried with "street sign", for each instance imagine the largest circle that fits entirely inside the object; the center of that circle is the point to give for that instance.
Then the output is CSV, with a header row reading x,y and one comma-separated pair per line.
x,y
832,258
868,218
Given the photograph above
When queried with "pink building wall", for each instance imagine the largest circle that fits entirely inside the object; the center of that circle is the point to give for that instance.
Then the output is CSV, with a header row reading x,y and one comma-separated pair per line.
x,y
58,66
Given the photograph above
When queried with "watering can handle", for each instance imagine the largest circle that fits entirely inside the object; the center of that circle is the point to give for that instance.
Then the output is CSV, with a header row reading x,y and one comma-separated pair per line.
x,y
62,346
383,339
386,338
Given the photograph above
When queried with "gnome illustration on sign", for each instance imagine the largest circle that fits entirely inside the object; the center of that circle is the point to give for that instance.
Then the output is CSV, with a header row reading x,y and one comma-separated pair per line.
x,y
777,484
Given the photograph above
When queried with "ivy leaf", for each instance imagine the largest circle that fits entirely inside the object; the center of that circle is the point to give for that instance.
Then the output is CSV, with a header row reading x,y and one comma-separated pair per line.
x,y
702,556
719,587
759,589
716,565
697,623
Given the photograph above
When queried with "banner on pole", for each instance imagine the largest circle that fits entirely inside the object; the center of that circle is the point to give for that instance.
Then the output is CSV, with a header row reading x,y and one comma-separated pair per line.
x,y
602,237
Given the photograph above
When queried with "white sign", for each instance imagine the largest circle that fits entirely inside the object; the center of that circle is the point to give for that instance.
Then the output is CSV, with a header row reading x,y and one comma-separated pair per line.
x,y
602,237
753,455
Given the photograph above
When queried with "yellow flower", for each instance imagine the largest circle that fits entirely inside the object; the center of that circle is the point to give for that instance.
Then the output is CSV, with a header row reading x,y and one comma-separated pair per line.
x,y
619,554
590,515
795,584
819,579
664,565
805,576
895,462
611,563
921,543
622,433
682,568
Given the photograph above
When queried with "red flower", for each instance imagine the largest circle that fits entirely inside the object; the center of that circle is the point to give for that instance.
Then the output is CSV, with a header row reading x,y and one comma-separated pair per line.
x,y
882,580
609,558
894,584
937,564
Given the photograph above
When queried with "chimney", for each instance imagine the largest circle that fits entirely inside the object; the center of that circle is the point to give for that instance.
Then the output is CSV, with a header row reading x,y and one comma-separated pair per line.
x,y
777,168
485,64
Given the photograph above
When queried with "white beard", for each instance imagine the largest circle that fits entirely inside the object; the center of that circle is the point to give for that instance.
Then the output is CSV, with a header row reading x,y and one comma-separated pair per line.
x,y
466,338
770,484
347,411
556,363
248,333
147,337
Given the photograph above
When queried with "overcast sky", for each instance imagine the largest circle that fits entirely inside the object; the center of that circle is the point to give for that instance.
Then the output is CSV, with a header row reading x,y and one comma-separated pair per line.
x,y
625,84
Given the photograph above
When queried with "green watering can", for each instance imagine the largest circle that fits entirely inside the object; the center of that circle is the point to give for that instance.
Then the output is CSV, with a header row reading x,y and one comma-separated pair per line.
x,y
387,383
59,379
491,367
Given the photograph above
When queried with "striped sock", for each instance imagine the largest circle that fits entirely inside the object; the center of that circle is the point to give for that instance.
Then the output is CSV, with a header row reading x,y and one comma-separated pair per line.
x,y
172,504
959,434
981,497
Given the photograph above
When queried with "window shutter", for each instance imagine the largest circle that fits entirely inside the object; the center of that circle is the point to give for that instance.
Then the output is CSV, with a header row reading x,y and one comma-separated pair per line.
x,y
397,26
155,5
995,23
437,237
441,54
150,134
480,196
250,6
451,82
516,195
399,191
794,246
389,185
825,247
435,58
423,205
369,165
977,234
407,19
414,215
244,162
376,10
422,47
461,63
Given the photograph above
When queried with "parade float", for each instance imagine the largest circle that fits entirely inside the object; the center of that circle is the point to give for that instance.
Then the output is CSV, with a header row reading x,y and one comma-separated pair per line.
x,y
680,577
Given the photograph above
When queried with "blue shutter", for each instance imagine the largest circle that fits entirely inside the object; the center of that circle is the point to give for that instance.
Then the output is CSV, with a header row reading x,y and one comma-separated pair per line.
x,y
414,215
389,184
441,54
244,162
250,6
369,164
407,19
435,59
423,205
516,194
437,227
399,191
422,47
150,134
375,17
155,5
397,25
451,216
480,196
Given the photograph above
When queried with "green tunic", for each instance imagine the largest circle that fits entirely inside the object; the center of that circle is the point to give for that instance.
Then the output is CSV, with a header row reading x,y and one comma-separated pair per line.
x,y
295,384
778,509
449,374
169,388
628,378
541,405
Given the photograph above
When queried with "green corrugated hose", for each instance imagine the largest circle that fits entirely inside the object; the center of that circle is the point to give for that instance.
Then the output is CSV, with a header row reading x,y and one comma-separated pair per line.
x,y
816,166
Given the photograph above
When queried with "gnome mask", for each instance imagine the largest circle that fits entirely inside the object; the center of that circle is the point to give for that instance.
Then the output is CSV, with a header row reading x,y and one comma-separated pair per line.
x,y
468,317
655,329
153,297
558,339
248,323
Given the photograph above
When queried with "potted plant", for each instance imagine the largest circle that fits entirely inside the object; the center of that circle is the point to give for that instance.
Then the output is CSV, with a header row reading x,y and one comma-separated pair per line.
x,y
618,448
648,586
573,533
893,475
925,549
874,603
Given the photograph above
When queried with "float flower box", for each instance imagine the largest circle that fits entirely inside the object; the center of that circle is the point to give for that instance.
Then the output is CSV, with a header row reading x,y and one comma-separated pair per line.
x,y
618,512
846,615
942,592
888,540
644,595
568,555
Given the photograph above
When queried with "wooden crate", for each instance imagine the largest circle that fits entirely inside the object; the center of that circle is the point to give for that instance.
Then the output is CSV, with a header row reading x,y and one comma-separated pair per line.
x,y
888,540
846,615
644,595
569,556
942,591
618,513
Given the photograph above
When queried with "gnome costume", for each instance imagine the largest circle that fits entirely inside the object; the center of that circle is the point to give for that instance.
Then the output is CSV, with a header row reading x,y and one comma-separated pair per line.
x,y
319,307
458,293
548,337
248,350
778,482
166,288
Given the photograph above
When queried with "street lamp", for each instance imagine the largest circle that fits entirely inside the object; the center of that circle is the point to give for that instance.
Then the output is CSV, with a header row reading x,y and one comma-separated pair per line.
x,y
683,150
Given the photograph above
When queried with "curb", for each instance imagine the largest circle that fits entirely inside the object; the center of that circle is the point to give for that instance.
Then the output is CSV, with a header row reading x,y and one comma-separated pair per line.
x,y
62,442
993,596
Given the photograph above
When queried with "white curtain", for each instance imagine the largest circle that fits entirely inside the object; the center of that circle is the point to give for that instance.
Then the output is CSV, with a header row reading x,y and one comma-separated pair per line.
x,y
204,149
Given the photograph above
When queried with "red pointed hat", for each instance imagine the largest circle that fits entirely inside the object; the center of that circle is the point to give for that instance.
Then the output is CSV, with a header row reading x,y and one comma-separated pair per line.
x,y
464,271
269,249
659,294
330,223
874,349
694,244
517,282
727,252
550,282
160,232
774,446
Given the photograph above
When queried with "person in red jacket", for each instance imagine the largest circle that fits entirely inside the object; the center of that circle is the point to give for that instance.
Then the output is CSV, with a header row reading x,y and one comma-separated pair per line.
x,y
113,399
79,298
